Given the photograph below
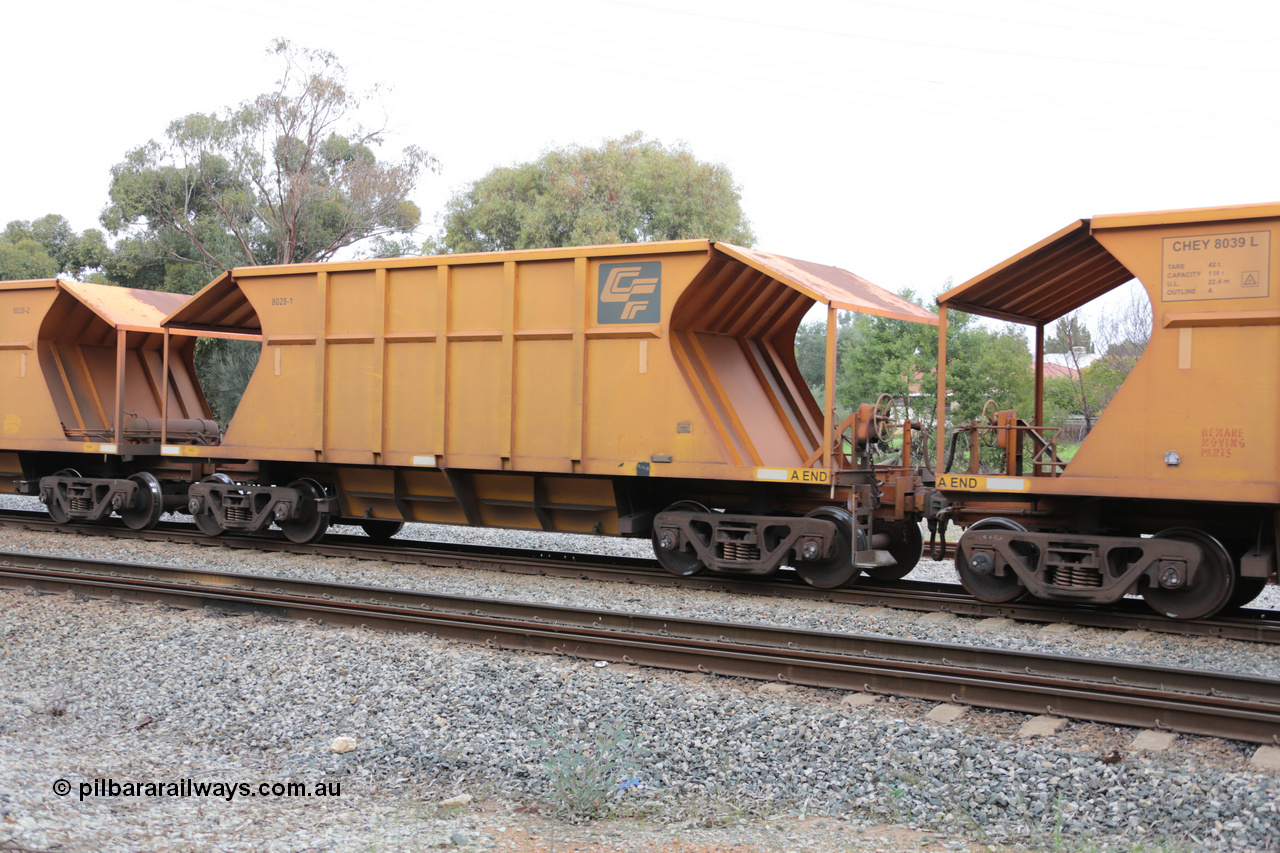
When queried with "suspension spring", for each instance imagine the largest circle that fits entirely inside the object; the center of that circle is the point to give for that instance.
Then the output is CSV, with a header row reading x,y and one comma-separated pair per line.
x,y
1075,576
239,513
739,551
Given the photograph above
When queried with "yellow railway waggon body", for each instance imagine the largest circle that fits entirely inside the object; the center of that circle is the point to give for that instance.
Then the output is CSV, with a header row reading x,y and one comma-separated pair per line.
x,y
1174,493
641,389
85,380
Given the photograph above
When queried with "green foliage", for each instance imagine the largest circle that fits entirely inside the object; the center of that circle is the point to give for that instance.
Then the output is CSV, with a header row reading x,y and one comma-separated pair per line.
x,y
288,177
383,247
811,349
284,178
900,358
989,364
895,357
585,773
1085,393
25,259
1105,376
1061,400
628,190
1070,331
225,368
47,247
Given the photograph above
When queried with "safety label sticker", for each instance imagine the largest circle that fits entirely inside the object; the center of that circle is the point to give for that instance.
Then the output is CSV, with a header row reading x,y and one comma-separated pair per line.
x,y
1216,266
793,475
980,483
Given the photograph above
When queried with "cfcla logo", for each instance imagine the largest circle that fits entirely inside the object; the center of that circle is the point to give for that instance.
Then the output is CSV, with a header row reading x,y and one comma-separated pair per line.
x,y
630,293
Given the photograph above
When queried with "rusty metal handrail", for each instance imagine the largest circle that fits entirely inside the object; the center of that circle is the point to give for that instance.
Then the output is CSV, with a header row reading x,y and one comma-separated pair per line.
x,y
1044,460
846,437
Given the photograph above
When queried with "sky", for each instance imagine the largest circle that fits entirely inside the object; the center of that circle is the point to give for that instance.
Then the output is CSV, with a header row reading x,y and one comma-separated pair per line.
x,y
914,143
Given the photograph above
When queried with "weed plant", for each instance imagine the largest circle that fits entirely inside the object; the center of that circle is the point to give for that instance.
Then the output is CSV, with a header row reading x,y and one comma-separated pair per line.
x,y
588,773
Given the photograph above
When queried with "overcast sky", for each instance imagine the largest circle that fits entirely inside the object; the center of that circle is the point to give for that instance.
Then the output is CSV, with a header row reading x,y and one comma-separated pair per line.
x,y
910,142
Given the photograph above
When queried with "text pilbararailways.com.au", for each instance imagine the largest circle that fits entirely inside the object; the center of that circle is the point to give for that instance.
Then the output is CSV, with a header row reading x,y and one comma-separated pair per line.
x,y
196,788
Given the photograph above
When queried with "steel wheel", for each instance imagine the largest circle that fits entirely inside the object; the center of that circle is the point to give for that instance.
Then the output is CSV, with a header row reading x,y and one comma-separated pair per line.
x,y
311,523
1213,586
56,512
380,529
208,524
987,586
1247,589
150,503
837,569
906,545
681,562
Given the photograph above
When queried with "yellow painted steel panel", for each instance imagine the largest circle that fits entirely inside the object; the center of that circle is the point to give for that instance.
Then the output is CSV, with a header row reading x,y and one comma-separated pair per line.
x,y
281,397
26,410
353,393
354,304
631,416
505,500
581,504
1188,215
543,390
429,498
1202,398
544,296
476,298
476,406
285,304
413,401
412,301
767,433
368,489
124,306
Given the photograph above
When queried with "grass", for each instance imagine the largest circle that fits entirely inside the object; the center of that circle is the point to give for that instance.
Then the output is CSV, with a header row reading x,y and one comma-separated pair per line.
x,y
1066,452
587,774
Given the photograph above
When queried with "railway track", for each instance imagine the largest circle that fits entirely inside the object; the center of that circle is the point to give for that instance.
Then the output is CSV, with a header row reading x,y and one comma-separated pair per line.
x,y
1262,626
1245,708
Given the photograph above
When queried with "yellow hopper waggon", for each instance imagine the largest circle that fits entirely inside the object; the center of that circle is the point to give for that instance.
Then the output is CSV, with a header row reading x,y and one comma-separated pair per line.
x,y
1174,494
88,389
639,390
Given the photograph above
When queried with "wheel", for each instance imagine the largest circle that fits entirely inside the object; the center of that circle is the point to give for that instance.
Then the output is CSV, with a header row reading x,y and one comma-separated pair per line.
x,y
988,419
906,544
837,569
56,512
987,585
310,524
205,519
1213,586
1247,589
150,503
380,529
883,418
208,523
681,562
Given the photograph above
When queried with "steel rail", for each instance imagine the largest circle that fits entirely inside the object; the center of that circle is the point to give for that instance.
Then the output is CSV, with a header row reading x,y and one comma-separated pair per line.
x,y
1232,706
1260,626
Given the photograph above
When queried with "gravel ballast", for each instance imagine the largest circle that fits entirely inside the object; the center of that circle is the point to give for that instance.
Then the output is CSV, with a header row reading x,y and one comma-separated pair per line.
x,y
103,690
